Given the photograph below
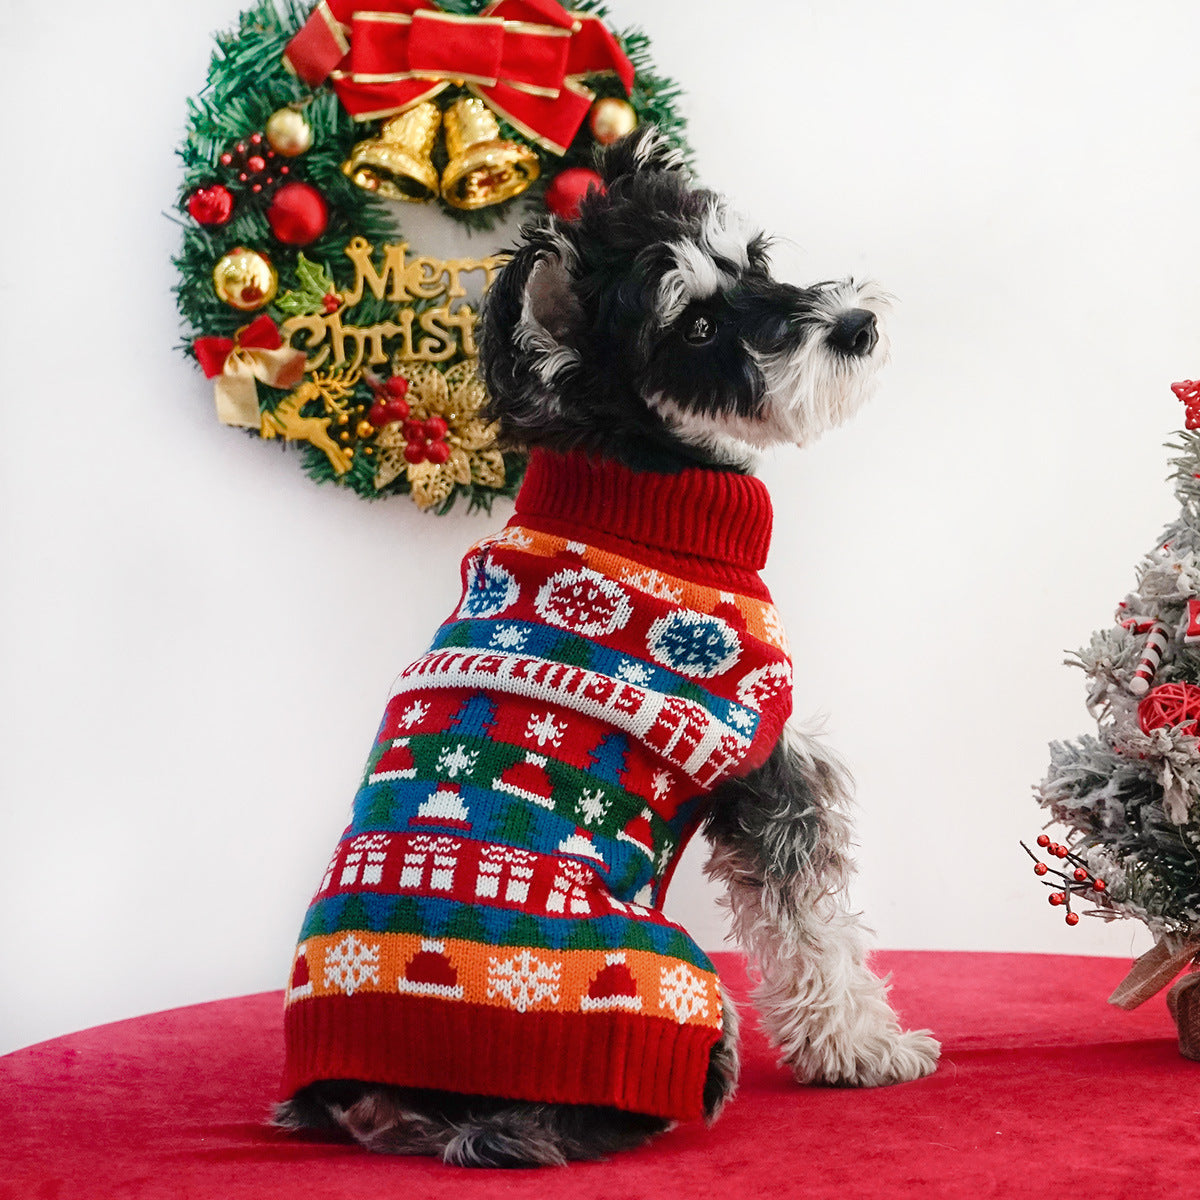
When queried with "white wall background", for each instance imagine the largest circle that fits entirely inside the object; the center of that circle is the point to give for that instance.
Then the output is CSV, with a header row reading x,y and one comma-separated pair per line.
x,y
197,642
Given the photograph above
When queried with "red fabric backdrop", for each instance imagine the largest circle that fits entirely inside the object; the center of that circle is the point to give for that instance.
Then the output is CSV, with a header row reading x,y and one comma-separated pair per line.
x,y
1043,1090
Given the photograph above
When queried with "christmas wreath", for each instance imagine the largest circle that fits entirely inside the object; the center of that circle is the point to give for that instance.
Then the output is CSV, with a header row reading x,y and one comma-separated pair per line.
x,y
315,319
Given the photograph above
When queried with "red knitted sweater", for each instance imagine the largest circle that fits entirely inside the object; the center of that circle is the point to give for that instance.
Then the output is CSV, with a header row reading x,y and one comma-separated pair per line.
x,y
491,920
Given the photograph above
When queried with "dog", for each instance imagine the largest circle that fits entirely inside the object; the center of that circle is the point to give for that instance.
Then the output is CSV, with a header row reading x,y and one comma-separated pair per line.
x,y
645,354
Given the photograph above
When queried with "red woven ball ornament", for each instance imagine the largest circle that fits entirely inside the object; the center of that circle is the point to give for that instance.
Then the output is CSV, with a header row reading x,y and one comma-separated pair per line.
x,y
1170,704
298,214
1189,392
567,190
211,205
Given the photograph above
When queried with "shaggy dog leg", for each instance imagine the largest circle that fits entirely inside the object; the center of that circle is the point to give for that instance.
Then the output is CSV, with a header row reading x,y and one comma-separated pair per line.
x,y
781,841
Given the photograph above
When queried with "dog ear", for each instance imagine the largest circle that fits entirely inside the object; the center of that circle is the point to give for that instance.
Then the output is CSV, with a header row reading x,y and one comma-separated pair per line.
x,y
528,330
645,149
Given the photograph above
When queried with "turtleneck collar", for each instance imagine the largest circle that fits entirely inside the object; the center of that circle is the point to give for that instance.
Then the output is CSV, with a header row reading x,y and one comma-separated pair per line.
x,y
700,512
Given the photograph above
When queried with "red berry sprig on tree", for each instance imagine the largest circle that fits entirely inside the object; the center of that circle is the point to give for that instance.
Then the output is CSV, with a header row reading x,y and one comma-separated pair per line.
x,y
252,163
1079,882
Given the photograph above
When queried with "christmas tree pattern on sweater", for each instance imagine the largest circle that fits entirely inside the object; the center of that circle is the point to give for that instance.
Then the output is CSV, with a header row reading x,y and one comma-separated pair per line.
x,y
534,780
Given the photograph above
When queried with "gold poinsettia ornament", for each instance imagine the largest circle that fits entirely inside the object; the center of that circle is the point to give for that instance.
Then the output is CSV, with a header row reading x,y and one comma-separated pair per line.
x,y
443,442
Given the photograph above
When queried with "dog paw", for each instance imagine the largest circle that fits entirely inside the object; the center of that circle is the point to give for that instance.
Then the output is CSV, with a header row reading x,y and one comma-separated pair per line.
x,y
913,1055
898,1057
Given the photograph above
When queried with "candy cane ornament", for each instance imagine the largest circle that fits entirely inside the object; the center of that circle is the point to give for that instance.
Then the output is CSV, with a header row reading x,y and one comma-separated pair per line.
x,y
1152,652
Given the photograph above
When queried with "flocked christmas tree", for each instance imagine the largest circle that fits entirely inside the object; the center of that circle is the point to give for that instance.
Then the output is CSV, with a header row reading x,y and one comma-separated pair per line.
x,y
1129,795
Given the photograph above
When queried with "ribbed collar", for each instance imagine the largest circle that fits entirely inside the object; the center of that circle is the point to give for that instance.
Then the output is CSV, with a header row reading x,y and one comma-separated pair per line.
x,y
704,513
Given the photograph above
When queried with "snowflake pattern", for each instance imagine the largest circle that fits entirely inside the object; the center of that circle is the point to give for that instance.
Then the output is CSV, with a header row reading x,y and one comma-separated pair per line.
x,y
653,584
545,729
350,964
742,718
683,993
693,643
459,761
661,782
632,671
523,980
414,714
490,590
773,628
513,537
592,806
508,637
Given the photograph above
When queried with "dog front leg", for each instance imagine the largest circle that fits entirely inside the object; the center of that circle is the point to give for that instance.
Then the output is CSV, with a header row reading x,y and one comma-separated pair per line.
x,y
781,847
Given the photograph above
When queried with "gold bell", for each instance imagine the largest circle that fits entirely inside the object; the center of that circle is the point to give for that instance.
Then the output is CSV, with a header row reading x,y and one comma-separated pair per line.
x,y
483,169
398,163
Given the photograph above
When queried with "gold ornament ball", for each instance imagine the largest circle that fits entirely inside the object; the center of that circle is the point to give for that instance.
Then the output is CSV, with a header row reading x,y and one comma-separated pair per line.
x,y
288,133
245,279
611,118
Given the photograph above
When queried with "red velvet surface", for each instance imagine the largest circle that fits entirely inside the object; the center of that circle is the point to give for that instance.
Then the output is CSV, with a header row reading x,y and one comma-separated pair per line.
x,y
1043,1089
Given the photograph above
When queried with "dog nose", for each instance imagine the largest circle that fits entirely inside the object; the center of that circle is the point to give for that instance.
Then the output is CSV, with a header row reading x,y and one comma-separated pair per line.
x,y
855,334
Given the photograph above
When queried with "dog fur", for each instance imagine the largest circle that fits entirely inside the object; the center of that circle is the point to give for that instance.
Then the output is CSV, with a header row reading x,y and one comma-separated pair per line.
x,y
650,330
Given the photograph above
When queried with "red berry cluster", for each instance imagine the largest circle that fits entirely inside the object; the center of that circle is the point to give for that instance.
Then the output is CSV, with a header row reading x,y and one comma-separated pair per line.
x,y
426,440
390,404
1189,392
1078,883
252,162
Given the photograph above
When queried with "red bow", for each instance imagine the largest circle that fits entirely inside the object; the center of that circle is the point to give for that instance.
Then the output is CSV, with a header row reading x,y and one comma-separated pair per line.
x,y
256,351
525,58
211,352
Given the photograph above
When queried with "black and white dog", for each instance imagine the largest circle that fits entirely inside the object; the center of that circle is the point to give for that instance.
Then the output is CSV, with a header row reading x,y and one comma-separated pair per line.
x,y
650,330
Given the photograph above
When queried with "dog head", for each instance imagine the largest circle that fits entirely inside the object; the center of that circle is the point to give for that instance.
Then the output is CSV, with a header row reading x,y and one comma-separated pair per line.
x,y
651,329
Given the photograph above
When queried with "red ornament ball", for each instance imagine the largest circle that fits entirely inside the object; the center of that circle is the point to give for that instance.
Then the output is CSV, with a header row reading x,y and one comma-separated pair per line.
x,y
397,385
1188,391
414,452
298,214
568,188
437,452
211,205
435,428
1072,918
1170,704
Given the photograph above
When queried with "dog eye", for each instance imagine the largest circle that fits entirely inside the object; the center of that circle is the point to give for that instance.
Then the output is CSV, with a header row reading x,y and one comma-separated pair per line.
x,y
700,329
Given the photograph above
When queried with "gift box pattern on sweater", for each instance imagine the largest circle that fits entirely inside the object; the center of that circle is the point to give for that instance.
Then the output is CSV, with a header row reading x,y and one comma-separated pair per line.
x,y
490,921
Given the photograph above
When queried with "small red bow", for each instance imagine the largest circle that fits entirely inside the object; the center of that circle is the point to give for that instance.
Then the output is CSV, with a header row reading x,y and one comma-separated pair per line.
x,y
256,351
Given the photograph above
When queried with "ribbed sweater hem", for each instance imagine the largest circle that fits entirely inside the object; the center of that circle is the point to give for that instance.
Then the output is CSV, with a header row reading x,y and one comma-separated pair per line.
x,y
620,1060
